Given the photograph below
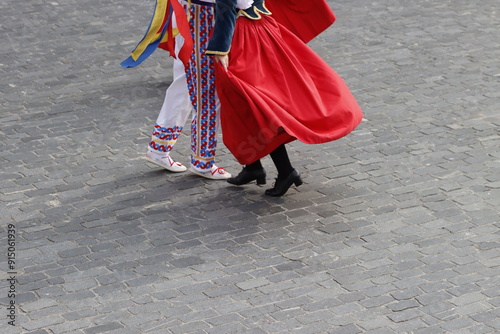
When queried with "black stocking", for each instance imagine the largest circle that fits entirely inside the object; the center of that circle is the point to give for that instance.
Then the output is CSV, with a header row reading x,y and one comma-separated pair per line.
x,y
254,166
282,162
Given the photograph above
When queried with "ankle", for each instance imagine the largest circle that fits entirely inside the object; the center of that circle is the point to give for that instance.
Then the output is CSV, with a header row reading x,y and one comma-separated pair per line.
x,y
156,152
282,175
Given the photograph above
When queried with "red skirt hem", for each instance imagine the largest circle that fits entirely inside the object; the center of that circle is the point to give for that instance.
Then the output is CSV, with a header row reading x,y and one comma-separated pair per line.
x,y
277,90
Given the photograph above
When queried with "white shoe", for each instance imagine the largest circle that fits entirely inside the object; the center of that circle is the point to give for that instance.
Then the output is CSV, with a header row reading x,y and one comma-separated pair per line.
x,y
215,173
165,161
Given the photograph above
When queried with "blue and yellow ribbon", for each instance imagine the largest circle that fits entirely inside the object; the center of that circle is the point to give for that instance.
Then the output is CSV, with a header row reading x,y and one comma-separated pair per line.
x,y
160,34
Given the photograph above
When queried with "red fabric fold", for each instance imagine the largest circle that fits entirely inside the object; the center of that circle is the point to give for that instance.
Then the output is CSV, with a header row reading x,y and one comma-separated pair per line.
x,y
184,31
277,90
305,18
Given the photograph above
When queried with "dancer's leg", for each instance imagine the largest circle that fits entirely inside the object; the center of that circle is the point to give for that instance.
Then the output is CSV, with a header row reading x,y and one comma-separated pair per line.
x,y
282,161
200,75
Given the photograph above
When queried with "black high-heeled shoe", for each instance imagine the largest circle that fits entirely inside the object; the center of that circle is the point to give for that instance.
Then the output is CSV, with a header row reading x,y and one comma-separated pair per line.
x,y
281,186
246,176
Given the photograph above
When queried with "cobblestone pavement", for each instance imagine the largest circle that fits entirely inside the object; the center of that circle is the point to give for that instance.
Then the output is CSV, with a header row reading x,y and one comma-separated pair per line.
x,y
396,229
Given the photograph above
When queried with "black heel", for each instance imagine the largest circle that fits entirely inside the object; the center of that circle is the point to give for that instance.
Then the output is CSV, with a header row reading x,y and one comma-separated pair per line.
x,y
261,180
298,181
281,186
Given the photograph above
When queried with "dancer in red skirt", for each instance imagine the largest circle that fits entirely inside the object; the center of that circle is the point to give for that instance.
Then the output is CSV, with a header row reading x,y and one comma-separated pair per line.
x,y
273,88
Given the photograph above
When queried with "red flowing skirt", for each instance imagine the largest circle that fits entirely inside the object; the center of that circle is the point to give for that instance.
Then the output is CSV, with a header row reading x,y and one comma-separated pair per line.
x,y
277,90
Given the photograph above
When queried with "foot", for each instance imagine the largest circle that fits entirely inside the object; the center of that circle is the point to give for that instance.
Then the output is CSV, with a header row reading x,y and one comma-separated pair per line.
x,y
164,160
281,186
246,176
215,173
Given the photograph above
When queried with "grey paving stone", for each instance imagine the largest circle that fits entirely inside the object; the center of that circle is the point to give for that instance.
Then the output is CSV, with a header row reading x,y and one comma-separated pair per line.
x,y
104,328
394,230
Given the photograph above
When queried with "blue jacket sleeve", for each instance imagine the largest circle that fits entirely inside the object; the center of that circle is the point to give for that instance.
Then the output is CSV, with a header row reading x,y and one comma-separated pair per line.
x,y
226,14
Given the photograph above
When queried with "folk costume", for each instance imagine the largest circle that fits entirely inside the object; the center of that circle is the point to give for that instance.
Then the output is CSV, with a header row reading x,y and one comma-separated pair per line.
x,y
183,28
276,89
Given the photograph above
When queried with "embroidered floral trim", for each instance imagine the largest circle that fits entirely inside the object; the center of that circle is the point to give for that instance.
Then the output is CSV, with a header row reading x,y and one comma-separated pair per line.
x,y
219,53
255,12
